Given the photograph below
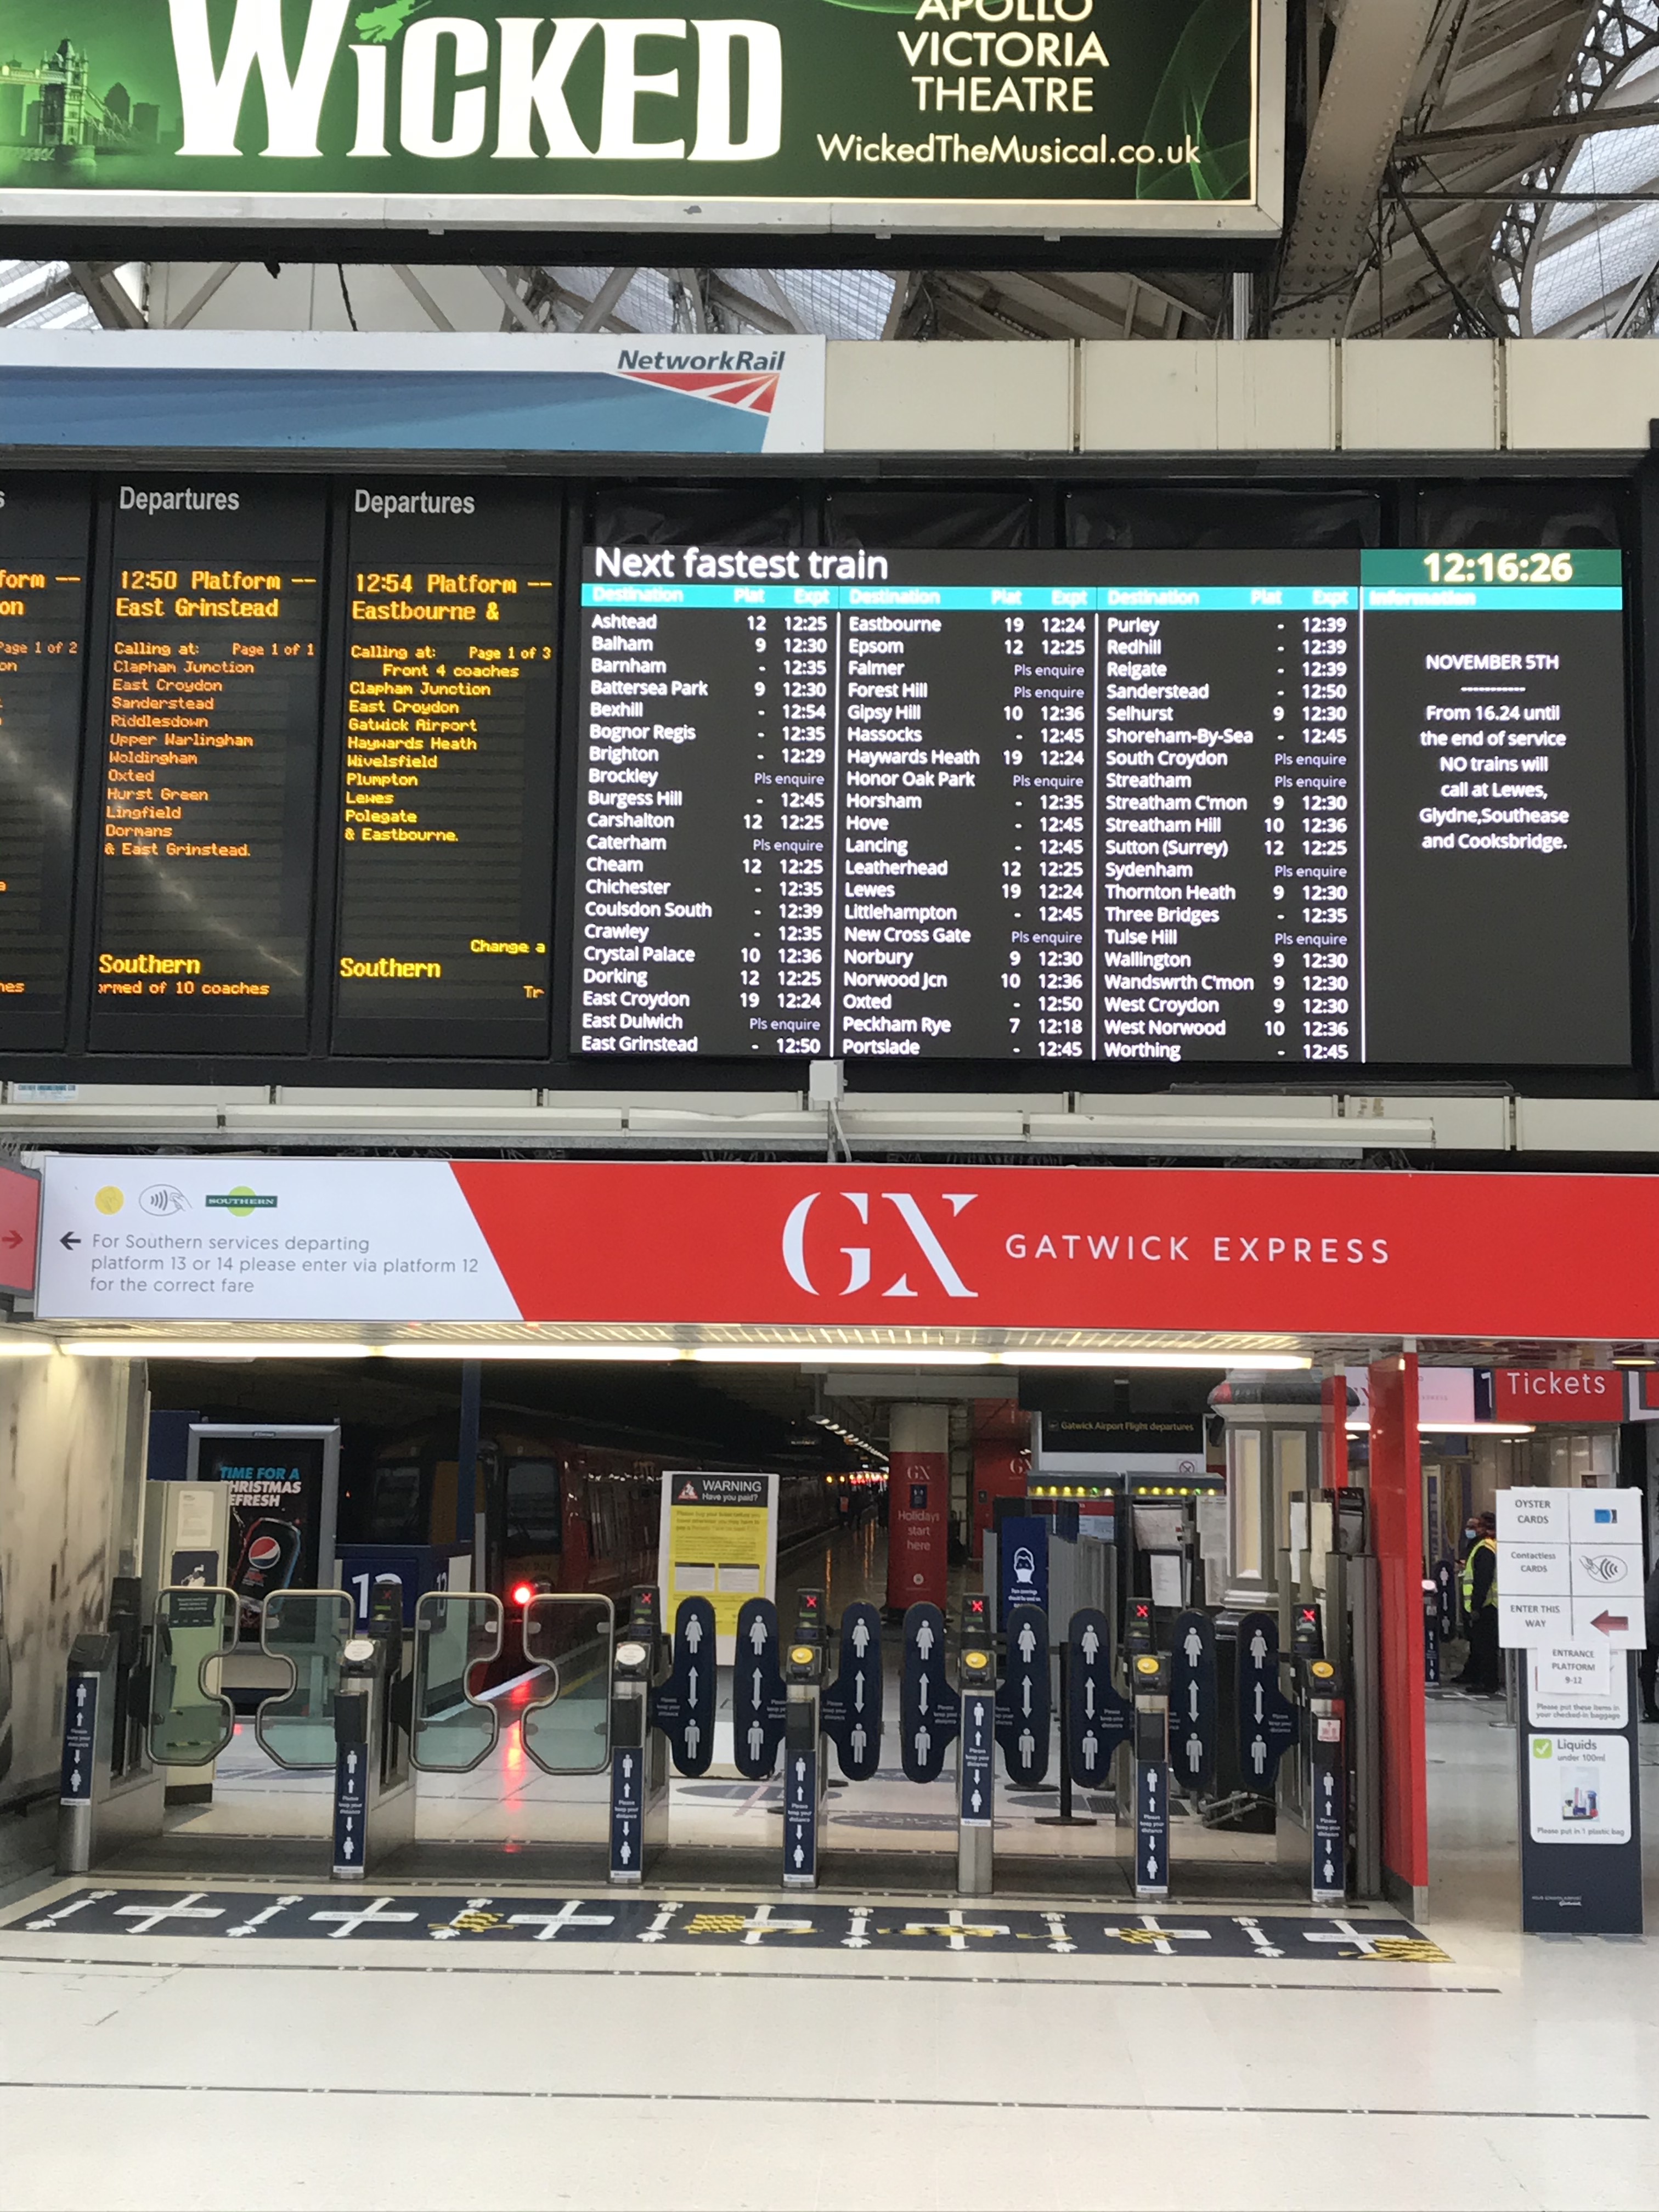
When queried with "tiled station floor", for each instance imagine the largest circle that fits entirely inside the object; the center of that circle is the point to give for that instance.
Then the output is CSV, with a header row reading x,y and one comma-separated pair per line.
x,y
927,2065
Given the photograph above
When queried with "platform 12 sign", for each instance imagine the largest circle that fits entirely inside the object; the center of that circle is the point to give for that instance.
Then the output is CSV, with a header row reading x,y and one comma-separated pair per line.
x,y
1011,115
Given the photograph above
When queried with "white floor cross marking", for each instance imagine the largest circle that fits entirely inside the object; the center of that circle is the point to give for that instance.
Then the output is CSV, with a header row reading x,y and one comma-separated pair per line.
x,y
145,1917
959,1929
569,1915
351,1922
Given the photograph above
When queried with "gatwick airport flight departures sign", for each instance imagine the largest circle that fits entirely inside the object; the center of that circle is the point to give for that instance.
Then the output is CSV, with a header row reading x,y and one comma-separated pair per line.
x,y
1011,116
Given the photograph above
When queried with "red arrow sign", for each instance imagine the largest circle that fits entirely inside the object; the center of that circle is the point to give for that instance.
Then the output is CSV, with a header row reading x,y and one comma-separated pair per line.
x,y
1611,1624
12,1239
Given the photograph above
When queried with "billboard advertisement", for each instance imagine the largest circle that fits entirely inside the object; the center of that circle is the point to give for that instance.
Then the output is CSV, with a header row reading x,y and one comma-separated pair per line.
x,y
850,115
222,1242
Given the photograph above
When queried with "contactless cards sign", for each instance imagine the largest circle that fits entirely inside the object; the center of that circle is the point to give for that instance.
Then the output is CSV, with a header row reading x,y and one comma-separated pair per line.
x,y
1571,1569
842,115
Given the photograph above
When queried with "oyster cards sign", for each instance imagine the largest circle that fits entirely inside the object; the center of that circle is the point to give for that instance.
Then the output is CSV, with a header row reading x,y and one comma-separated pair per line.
x,y
964,115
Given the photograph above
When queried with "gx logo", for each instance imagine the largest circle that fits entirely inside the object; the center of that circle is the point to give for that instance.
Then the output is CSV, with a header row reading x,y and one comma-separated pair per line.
x,y
858,1256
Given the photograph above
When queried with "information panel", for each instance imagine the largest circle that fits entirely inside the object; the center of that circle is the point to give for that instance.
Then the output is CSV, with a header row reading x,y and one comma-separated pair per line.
x,y
210,766
1260,807
447,805
44,530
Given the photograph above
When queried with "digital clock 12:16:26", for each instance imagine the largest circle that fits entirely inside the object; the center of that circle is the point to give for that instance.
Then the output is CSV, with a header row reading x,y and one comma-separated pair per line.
x,y
1499,567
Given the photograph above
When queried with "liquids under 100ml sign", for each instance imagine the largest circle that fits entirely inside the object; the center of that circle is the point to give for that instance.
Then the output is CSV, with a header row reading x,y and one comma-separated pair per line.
x,y
1003,116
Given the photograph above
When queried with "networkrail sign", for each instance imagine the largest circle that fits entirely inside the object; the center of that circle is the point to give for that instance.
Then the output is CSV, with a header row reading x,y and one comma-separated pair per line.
x,y
1155,117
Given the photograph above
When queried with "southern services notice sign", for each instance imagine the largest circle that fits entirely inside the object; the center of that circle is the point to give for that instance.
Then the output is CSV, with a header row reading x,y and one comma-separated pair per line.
x,y
969,115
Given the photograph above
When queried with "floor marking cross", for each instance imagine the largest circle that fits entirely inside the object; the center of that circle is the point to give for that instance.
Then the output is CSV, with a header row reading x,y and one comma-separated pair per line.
x,y
351,1922
957,1927
1157,1938
146,1917
569,1915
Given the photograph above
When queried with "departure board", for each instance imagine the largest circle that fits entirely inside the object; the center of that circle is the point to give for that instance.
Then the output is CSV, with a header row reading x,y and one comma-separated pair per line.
x,y
44,534
210,766
1168,808
445,810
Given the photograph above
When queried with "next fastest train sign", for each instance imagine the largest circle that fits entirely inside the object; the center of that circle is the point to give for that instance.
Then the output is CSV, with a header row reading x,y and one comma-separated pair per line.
x,y
924,115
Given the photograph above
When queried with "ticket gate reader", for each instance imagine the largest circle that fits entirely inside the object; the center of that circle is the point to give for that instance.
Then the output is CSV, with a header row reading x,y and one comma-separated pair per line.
x,y
639,1752
975,1713
780,1702
110,1790
373,1790
1312,1782
806,1753
1149,1684
662,1706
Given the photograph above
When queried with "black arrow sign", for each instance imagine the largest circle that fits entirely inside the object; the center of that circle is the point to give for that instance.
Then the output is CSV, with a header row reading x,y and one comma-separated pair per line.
x,y
1193,1701
851,1711
1098,1719
928,1714
759,1707
1023,1700
1266,1720
683,1707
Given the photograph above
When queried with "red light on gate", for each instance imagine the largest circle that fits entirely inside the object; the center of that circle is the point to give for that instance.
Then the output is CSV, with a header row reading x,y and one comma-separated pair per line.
x,y
522,1593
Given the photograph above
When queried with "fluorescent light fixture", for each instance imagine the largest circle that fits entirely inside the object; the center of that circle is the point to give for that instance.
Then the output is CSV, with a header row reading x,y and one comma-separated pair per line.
x,y
1240,1362
429,1351
23,1348
1458,1428
841,1355
181,1348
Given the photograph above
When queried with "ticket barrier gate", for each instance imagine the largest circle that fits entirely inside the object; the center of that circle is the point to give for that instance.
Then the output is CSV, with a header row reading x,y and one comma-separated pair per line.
x,y
1162,1734
975,1713
780,1701
660,1704
373,1707
110,1790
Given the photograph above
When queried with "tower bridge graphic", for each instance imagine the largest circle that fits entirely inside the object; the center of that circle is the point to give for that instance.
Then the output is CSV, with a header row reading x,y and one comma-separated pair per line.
x,y
49,112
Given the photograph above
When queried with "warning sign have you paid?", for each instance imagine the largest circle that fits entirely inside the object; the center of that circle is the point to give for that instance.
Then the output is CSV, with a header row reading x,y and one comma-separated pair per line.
x,y
718,1540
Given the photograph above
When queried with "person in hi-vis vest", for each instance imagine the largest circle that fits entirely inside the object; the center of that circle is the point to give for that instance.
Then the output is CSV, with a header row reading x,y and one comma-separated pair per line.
x,y
1481,1608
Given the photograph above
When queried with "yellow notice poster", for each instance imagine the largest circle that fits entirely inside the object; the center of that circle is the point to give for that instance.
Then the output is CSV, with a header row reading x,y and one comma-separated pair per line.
x,y
718,1540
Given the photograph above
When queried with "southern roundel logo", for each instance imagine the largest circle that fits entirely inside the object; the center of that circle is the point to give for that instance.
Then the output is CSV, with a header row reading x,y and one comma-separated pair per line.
x,y
916,1237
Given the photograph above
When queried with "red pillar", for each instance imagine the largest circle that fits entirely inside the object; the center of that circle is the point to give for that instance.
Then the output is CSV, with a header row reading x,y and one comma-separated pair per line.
x,y
918,1506
1397,1488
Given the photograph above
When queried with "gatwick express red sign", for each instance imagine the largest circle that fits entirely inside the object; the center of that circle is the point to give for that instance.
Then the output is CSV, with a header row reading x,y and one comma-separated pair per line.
x,y
1057,1247
1381,1254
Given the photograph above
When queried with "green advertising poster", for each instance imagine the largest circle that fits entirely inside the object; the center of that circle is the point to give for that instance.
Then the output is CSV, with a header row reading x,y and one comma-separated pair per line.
x,y
1157,116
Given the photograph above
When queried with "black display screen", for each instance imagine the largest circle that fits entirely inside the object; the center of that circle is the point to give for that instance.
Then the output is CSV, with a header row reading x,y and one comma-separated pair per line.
x,y
44,534
210,766
446,829
1156,807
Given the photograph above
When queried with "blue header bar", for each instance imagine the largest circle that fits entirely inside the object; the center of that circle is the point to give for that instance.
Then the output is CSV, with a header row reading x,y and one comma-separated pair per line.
x,y
1113,599
1040,600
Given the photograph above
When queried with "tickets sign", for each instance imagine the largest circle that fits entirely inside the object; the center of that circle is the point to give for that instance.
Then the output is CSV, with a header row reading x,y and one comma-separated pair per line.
x,y
1557,1394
